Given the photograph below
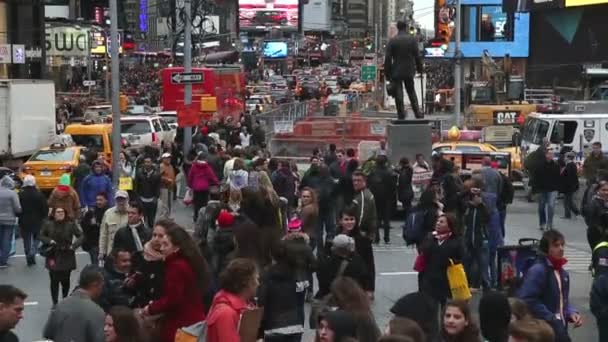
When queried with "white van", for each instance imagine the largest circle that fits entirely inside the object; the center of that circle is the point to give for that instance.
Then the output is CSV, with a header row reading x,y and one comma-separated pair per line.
x,y
581,124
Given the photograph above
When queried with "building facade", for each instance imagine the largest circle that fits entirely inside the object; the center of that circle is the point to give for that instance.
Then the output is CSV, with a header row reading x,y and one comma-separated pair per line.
x,y
357,19
577,33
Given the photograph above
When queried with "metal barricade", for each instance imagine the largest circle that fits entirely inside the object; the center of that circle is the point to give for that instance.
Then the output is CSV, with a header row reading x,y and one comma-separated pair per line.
x,y
283,118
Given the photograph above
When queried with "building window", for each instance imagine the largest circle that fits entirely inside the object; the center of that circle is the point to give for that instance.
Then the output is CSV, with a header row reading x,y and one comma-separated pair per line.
x,y
486,23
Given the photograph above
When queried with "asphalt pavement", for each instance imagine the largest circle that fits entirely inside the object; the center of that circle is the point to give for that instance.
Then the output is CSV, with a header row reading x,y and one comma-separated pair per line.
x,y
395,276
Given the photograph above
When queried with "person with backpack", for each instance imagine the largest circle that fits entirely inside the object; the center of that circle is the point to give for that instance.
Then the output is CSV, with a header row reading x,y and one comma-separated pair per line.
x,y
546,287
421,219
476,240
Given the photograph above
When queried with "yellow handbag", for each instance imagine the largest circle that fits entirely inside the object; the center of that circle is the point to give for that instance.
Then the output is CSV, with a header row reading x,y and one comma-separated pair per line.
x,y
457,278
125,183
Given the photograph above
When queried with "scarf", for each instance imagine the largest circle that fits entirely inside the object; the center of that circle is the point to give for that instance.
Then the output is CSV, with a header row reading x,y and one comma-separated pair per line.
x,y
442,237
150,254
557,263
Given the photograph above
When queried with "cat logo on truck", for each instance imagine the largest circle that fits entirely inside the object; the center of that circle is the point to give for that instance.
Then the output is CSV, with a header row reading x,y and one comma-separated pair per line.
x,y
504,117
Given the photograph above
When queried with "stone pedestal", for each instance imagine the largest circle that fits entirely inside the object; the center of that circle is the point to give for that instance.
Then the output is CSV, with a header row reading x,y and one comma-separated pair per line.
x,y
406,138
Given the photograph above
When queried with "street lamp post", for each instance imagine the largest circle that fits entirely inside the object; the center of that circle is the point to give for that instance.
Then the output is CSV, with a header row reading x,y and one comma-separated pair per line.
x,y
187,69
115,93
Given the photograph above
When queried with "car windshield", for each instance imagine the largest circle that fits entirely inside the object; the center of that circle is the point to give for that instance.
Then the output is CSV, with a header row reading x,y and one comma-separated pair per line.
x,y
135,127
88,140
53,155
535,130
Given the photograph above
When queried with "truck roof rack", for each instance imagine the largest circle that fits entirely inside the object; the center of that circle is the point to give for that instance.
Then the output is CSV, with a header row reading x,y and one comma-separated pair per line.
x,y
581,107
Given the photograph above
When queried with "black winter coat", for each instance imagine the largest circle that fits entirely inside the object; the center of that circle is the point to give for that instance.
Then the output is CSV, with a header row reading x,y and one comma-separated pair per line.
x,y
68,237
476,220
90,224
569,178
114,292
147,185
435,280
382,183
34,209
282,297
547,177
150,277
123,239
404,186
328,271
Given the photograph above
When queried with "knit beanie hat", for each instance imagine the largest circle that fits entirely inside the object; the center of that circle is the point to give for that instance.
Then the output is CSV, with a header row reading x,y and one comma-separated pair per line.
x,y
225,219
294,225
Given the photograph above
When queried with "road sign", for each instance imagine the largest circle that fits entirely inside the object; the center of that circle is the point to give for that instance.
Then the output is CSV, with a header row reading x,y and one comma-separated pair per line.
x,y
88,83
186,77
368,73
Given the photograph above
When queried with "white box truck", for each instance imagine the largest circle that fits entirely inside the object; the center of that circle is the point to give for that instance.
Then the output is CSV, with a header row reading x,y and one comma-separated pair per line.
x,y
27,118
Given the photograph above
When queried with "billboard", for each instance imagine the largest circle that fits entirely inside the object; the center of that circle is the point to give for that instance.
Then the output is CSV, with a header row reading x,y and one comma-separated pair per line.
x,y
578,34
67,41
263,15
316,16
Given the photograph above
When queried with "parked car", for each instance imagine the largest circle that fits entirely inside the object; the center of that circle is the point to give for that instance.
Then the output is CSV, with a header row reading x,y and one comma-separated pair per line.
x,y
143,131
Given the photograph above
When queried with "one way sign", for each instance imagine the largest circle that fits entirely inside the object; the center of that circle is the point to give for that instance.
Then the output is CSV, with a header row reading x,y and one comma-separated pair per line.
x,y
186,77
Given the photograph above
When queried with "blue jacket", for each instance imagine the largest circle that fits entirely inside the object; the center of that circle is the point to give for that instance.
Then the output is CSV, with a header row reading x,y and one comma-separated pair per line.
x,y
540,291
92,185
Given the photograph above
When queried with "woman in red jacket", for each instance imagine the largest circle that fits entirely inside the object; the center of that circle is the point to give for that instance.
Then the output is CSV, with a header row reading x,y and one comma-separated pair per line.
x,y
186,280
239,283
200,178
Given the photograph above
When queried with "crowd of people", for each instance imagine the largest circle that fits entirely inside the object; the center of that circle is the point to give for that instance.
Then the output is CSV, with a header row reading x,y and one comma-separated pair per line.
x,y
263,230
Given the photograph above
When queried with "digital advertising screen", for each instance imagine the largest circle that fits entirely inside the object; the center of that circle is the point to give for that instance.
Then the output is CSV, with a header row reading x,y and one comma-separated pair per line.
x,y
262,15
275,50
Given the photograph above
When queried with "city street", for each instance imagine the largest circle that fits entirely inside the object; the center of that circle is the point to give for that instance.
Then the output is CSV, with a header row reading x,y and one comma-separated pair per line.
x,y
394,262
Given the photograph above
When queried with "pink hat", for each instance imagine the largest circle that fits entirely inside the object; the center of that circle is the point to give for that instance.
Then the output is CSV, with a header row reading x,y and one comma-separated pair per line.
x,y
294,225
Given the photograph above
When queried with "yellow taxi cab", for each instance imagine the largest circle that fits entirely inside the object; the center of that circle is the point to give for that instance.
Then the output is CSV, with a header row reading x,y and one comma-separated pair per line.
x,y
49,163
95,137
472,146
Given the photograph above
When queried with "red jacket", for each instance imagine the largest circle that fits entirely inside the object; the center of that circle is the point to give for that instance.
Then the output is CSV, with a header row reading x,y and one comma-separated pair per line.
x,y
181,301
201,176
224,316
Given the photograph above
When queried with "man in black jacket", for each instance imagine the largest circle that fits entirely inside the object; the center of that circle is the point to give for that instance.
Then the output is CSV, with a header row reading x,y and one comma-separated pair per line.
x,y
147,187
546,183
382,183
401,62
118,280
134,236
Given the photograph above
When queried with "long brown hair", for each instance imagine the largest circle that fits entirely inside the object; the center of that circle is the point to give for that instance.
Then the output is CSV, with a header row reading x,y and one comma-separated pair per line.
x,y
350,296
313,196
470,332
126,325
188,249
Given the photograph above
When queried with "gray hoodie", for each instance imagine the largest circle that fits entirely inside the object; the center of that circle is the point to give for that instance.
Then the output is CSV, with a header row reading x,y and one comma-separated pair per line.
x,y
9,202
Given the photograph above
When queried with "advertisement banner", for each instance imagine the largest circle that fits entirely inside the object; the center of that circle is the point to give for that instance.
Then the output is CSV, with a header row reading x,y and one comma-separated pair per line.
x,y
264,15
5,53
67,41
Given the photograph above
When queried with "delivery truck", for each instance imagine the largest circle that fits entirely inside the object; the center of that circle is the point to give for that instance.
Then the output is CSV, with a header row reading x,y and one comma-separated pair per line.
x,y
27,119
